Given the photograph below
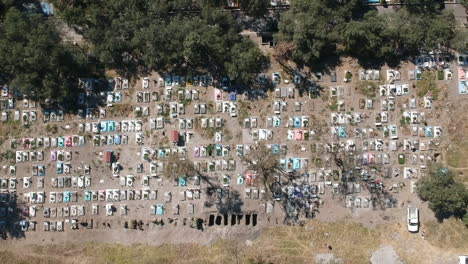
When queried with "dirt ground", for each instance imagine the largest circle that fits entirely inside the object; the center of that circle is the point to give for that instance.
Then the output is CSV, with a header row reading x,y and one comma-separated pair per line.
x,y
354,234
349,243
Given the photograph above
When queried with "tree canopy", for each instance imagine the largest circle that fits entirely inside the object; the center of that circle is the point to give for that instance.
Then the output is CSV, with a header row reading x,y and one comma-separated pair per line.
x,y
256,8
315,27
35,61
319,29
135,36
446,197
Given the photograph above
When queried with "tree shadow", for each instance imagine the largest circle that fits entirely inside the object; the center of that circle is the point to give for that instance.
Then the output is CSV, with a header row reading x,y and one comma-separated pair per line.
x,y
13,217
299,204
91,85
224,199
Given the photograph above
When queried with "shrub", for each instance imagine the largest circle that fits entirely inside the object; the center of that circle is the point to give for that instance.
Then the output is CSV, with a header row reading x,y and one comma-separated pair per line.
x,y
427,85
367,88
446,197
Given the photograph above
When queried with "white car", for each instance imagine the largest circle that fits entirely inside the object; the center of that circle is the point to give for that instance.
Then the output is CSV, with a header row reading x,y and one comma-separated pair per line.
x,y
413,219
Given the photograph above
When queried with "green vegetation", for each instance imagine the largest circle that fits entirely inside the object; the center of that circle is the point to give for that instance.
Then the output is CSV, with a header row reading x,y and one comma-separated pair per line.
x,y
367,88
209,132
427,85
176,166
446,197
333,105
440,75
257,8
35,61
401,158
464,3
460,41
184,36
244,109
8,155
318,30
139,36
11,128
52,129
348,76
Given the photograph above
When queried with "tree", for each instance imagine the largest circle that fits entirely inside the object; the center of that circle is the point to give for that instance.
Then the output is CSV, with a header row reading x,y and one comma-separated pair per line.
x,y
425,31
464,3
246,62
35,62
283,52
266,168
367,88
446,197
423,6
460,40
176,166
315,27
141,36
369,39
256,8
320,30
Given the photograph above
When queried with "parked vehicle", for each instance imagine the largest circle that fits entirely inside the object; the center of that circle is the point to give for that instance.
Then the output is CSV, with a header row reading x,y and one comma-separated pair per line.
x,y
413,219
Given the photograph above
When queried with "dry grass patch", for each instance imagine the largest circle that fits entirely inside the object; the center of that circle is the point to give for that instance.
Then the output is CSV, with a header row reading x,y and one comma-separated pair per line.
x,y
350,241
11,128
457,155
451,234
124,109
